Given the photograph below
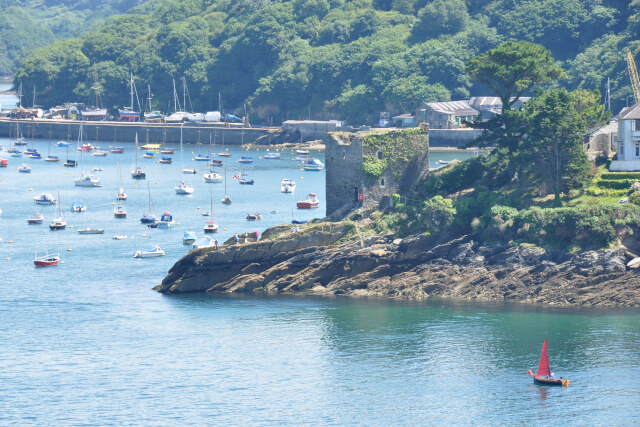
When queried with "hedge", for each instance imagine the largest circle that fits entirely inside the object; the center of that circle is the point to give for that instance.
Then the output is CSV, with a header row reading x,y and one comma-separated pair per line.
x,y
621,175
618,184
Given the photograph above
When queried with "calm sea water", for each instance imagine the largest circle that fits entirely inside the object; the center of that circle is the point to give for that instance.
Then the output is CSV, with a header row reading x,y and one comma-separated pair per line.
x,y
89,342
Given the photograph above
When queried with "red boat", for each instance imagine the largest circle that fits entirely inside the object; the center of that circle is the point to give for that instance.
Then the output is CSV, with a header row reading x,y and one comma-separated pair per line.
x,y
4,163
119,212
544,376
310,203
86,147
117,150
47,260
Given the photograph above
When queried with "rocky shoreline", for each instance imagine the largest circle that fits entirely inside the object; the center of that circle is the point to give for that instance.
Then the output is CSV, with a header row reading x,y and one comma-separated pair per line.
x,y
321,260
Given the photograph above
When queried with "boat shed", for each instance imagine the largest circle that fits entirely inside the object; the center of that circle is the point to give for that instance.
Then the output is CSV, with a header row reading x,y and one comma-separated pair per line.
x,y
447,115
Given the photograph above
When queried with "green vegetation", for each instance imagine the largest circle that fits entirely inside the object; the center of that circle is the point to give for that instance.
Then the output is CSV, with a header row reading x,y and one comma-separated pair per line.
x,y
539,189
26,25
391,150
287,59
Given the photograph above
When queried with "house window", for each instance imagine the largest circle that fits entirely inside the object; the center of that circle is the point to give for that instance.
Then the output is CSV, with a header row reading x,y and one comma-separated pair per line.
x,y
636,124
637,150
382,182
379,155
621,147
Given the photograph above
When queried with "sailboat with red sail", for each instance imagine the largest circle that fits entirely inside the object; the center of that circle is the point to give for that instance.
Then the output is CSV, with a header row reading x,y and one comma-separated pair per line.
x,y
544,375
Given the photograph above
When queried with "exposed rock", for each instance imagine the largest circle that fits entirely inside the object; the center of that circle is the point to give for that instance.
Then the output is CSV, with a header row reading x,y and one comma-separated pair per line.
x,y
417,267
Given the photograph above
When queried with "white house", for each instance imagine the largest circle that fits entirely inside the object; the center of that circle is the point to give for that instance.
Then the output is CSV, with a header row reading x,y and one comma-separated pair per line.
x,y
628,158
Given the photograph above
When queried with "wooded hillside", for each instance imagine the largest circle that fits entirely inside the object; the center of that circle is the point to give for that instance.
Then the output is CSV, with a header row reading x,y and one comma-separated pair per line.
x,y
328,58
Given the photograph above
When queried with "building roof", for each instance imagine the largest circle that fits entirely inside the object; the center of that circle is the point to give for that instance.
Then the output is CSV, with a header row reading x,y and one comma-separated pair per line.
x,y
630,113
611,127
491,102
403,116
456,108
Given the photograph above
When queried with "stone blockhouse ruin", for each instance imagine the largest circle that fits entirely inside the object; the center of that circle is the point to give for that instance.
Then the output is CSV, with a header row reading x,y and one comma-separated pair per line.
x,y
367,168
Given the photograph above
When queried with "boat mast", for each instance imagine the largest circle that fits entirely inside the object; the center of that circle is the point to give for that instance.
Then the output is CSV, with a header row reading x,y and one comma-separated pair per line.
x,y
131,87
20,95
184,93
149,99
33,104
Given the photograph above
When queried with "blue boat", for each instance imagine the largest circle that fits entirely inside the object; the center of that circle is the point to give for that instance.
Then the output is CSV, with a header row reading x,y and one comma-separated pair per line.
x,y
202,158
298,221
78,207
166,220
188,237
62,144
313,165
24,169
148,219
272,156
245,159
35,155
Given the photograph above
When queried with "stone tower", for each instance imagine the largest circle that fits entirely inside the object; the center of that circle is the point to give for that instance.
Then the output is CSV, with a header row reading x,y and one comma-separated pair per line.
x,y
367,168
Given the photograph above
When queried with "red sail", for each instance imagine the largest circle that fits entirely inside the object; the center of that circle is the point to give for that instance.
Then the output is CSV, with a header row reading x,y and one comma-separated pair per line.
x,y
543,366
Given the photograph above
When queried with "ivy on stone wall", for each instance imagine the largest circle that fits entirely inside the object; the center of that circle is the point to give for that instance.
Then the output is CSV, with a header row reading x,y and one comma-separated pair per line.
x,y
398,149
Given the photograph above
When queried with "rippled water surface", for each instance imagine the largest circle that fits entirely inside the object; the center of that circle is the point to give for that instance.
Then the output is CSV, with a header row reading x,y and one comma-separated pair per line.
x,y
89,342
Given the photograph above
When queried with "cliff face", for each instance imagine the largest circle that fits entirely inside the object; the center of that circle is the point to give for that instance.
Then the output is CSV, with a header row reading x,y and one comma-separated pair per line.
x,y
316,261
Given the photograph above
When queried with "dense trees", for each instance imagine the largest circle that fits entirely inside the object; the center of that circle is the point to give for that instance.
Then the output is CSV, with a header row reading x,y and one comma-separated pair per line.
x,y
290,59
28,24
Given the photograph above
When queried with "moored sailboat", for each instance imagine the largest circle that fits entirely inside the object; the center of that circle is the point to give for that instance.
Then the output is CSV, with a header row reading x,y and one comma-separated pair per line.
x,y
544,375
182,187
137,172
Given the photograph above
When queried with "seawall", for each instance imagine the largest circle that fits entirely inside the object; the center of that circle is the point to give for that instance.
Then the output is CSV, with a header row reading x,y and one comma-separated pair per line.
x,y
121,132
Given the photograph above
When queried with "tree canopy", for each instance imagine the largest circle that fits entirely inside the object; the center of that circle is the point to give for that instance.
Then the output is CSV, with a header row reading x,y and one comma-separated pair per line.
x,y
288,59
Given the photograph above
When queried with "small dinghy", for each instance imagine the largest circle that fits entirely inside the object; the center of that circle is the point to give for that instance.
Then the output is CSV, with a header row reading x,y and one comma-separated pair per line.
x,y
188,237
254,217
151,252
47,260
89,230
119,237
544,375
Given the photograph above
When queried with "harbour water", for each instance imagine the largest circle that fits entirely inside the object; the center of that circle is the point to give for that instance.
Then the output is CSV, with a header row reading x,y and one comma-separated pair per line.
x,y
89,342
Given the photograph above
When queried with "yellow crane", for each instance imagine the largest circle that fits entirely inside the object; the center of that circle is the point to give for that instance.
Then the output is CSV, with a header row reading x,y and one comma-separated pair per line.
x,y
633,75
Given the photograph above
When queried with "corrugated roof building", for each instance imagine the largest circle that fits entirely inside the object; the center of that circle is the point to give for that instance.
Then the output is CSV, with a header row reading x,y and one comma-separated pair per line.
x,y
447,115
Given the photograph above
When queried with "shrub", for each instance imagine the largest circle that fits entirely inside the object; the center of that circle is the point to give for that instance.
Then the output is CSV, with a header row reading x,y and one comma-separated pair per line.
x,y
621,175
617,184
635,198
438,213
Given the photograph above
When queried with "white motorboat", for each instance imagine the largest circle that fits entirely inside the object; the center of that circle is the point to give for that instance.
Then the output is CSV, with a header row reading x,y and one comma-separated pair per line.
x,y
119,237
87,180
203,242
166,220
89,230
44,199
36,218
78,207
212,177
151,252
188,237
183,188
287,186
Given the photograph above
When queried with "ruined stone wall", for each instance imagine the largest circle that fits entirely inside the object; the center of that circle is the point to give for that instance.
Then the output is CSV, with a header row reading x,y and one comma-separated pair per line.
x,y
343,165
373,164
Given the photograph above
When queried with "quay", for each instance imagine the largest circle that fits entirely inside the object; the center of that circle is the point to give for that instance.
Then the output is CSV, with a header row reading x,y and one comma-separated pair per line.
x,y
124,132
